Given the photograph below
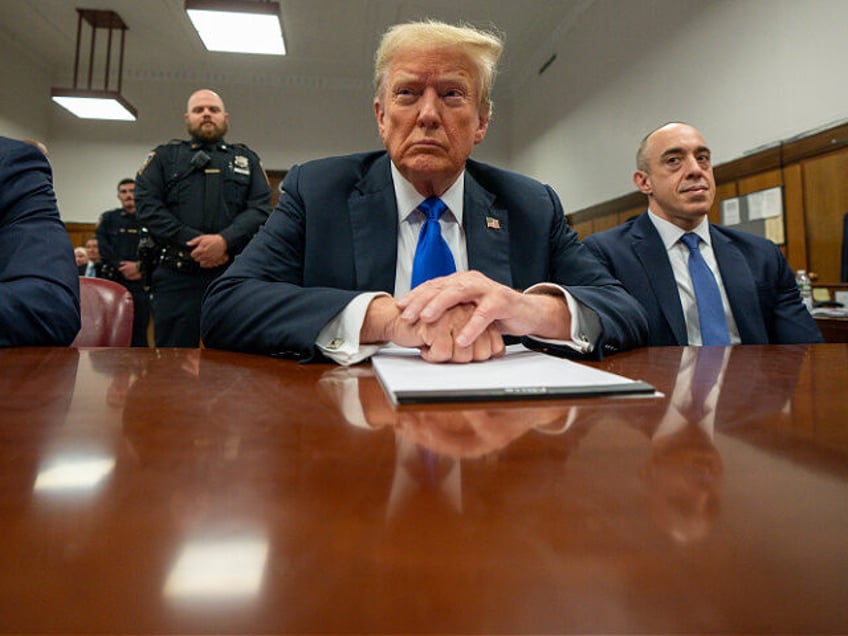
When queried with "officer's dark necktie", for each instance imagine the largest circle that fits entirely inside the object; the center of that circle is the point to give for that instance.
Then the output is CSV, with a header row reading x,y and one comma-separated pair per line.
x,y
433,257
707,296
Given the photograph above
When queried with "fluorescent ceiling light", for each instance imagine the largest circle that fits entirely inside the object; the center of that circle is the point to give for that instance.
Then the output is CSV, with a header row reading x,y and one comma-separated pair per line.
x,y
238,26
90,102
95,104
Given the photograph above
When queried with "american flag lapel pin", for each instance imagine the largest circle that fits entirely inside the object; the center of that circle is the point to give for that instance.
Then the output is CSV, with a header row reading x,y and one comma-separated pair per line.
x,y
492,223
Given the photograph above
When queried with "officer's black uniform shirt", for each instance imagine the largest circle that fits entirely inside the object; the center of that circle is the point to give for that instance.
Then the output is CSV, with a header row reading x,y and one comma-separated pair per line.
x,y
117,238
180,194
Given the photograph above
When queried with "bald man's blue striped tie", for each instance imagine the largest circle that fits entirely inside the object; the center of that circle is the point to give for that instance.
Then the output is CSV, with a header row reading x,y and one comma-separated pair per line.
x,y
707,295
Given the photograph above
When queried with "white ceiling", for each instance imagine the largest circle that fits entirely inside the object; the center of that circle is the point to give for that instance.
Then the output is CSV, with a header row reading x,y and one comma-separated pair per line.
x,y
327,40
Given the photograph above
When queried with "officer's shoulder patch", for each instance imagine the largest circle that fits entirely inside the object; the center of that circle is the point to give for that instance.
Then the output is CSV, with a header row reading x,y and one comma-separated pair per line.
x,y
147,162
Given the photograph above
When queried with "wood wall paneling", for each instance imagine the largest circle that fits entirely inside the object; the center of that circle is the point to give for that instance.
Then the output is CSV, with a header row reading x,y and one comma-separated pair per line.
x,y
626,215
825,185
604,223
80,232
583,228
762,181
275,180
793,218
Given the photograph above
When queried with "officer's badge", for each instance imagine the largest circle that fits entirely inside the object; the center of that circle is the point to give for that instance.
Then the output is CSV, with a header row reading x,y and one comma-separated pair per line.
x,y
147,162
241,165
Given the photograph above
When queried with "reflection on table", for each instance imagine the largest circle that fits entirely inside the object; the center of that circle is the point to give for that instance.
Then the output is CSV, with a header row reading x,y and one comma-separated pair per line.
x,y
204,491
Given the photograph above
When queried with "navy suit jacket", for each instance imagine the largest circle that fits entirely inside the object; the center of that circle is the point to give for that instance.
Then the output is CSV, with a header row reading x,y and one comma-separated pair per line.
x,y
334,236
39,281
759,283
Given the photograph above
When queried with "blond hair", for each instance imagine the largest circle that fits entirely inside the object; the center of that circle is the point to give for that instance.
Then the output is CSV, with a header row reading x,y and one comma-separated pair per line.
x,y
482,47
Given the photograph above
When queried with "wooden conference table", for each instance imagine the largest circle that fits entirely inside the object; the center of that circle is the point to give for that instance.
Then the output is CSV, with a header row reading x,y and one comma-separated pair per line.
x,y
186,491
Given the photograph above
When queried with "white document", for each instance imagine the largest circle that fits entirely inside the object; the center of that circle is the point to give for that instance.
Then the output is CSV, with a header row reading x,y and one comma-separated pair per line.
x,y
765,204
730,211
520,374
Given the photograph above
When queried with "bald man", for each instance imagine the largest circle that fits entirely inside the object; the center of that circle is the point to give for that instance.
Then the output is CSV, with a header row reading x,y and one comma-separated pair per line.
x,y
650,256
201,200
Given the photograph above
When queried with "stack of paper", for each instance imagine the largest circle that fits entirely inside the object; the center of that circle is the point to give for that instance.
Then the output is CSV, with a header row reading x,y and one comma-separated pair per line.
x,y
520,374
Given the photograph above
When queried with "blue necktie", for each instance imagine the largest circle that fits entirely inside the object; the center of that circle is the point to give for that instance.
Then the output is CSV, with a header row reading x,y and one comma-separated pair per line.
x,y
707,296
433,257
707,369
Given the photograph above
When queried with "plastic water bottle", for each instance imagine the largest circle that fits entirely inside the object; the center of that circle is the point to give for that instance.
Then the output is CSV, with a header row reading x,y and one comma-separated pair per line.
x,y
805,287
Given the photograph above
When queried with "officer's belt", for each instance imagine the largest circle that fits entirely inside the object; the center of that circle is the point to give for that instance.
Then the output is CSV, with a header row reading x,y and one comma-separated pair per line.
x,y
178,259
110,272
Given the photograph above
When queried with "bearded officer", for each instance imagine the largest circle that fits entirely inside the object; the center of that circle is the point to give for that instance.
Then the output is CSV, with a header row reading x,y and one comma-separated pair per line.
x,y
201,200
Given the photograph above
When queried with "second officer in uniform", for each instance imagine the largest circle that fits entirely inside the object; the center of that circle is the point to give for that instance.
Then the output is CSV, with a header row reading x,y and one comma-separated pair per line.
x,y
118,233
201,200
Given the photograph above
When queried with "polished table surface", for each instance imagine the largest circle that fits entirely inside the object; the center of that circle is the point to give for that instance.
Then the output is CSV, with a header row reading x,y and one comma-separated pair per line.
x,y
199,491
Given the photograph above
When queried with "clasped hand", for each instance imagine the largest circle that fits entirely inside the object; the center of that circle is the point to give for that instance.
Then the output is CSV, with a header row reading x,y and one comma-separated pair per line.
x,y
463,317
209,250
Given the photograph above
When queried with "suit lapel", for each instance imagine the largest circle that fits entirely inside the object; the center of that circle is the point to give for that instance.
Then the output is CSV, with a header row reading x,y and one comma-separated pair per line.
x,y
651,252
740,288
374,224
486,233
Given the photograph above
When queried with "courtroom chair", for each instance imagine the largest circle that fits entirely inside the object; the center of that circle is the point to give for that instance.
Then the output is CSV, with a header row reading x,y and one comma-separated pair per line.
x,y
106,310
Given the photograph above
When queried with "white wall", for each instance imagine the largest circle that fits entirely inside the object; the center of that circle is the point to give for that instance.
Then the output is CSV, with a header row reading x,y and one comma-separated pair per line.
x,y
24,94
745,72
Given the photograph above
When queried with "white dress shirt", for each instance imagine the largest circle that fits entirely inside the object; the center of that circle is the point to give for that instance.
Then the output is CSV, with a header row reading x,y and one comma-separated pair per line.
x,y
339,339
678,256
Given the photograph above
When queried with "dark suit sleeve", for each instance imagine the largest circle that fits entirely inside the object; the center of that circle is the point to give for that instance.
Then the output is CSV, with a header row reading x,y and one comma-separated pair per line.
x,y
789,322
623,321
259,304
39,283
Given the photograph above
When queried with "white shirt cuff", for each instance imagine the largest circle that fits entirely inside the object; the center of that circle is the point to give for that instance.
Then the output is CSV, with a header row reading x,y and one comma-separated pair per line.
x,y
339,339
585,323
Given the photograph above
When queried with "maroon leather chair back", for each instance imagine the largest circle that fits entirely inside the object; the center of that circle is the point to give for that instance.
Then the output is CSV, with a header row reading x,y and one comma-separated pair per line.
x,y
106,309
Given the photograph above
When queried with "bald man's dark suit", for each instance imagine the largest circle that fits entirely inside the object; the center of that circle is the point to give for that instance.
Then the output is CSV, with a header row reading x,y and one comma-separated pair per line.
x,y
760,285
334,236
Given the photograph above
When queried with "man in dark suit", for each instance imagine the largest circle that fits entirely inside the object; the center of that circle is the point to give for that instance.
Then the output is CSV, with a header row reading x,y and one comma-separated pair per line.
x,y
39,283
758,292
330,273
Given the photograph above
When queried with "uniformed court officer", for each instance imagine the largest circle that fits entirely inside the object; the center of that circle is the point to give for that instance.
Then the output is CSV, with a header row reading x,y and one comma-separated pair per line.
x,y
201,200
118,232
